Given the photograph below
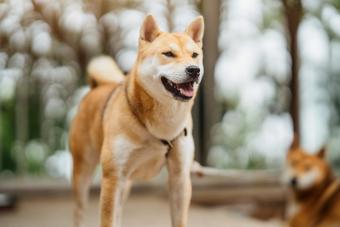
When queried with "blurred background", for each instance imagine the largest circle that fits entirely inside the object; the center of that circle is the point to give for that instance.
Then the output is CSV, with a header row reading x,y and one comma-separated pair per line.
x,y
271,69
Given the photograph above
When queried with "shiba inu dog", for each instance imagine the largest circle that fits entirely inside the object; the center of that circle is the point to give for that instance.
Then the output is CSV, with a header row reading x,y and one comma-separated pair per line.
x,y
137,124
314,199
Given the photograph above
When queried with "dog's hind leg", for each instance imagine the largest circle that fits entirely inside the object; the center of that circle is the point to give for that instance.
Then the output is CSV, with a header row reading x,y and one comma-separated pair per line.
x,y
84,165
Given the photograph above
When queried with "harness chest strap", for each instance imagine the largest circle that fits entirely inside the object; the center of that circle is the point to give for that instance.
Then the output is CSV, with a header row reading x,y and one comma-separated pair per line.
x,y
170,143
107,100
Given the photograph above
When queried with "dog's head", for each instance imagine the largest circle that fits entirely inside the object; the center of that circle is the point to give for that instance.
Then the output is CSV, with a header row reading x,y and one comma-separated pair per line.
x,y
169,65
305,171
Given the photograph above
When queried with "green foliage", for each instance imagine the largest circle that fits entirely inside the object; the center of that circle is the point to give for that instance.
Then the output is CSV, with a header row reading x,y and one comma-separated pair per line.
x,y
256,161
7,135
336,3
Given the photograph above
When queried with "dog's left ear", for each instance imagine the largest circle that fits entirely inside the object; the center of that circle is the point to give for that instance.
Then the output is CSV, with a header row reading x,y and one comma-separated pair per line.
x,y
150,30
196,29
321,153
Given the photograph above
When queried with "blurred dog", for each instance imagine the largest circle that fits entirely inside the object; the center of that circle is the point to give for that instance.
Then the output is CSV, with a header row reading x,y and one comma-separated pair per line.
x,y
314,192
136,125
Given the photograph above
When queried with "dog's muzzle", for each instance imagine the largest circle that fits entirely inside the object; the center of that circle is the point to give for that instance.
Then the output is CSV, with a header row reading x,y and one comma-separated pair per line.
x,y
193,72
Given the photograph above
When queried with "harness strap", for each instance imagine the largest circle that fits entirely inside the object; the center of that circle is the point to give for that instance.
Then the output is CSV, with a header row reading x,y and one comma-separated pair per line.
x,y
108,99
168,143
133,109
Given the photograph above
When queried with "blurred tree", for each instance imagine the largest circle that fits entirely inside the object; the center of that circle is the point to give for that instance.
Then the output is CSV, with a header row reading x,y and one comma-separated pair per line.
x,y
312,34
252,84
330,17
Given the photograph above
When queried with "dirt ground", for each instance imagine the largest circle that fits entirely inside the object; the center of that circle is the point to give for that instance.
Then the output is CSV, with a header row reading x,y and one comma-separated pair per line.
x,y
141,211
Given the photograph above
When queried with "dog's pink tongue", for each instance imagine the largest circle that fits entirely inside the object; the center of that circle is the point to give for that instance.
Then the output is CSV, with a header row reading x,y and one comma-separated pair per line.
x,y
186,89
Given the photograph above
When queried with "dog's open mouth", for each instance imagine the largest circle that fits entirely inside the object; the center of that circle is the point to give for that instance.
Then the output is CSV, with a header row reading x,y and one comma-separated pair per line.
x,y
181,91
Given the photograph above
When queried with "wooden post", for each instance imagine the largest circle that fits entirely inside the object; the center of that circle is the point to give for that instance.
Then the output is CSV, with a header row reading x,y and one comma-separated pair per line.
x,y
208,111
293,12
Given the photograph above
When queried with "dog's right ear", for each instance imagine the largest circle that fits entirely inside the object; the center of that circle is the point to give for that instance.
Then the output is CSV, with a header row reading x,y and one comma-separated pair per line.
x,y
149,30
295,143
321,153
196,29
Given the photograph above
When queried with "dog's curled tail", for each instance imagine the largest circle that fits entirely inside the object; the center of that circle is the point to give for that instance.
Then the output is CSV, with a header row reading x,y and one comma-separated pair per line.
x,y
103,70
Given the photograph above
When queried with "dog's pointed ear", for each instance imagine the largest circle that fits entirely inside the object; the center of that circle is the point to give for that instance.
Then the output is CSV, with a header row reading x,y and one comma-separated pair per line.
x,y
295,143
149,30
196,29
321,153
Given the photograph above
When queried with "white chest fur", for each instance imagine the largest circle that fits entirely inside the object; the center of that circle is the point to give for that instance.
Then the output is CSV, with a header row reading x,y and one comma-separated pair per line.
x,y
139,161
292,209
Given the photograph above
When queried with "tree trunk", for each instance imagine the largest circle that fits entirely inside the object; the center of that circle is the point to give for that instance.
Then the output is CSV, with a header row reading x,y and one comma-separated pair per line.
x,y
293,12
206,104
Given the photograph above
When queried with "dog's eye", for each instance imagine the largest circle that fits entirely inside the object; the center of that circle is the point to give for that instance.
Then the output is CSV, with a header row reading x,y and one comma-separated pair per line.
x,y
169,54
194,55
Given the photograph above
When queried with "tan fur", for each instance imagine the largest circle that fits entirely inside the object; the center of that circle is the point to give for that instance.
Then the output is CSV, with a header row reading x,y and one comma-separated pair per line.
x,y
103,70
317,205
121,123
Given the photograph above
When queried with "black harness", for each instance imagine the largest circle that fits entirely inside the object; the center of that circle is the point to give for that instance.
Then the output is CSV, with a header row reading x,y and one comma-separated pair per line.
x,y
107,101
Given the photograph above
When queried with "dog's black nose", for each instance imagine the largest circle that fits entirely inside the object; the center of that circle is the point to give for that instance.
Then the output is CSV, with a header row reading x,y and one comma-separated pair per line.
x,y
293,182
193,71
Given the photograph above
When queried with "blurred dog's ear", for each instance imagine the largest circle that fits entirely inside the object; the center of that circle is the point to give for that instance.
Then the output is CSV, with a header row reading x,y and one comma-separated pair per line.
x,y
295,143
149,30
321,153
196,29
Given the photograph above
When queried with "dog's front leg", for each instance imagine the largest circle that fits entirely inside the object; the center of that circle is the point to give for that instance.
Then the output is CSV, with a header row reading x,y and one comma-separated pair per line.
x,y
179,163
112,192
111,200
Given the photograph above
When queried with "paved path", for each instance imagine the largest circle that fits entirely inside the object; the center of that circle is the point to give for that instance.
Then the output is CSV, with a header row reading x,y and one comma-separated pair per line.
x,y
141,211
